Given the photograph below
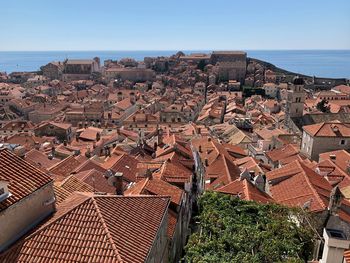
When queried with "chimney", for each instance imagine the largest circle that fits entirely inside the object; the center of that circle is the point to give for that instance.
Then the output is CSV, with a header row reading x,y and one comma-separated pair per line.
x,y
252,174
53,151
160,137
335,242
260,182
88,153
119,190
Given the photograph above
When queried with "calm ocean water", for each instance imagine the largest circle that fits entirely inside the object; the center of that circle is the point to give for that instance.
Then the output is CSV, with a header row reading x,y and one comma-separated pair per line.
x,y
321,63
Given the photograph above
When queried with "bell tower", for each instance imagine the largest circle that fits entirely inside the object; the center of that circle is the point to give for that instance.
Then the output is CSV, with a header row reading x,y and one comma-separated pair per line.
x,y
295,100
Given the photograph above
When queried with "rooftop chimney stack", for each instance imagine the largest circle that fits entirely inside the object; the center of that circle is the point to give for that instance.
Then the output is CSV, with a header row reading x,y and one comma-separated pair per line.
x,y
335,242
116,181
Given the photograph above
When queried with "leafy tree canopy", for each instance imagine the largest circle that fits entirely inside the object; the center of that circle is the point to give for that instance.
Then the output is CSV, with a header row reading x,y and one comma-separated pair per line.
x,y
323,106
233,230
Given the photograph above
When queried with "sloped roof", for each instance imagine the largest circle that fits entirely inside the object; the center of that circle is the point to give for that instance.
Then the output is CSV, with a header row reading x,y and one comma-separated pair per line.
x,y
245,190
282,153
156,186
296,184
23,178
342,158
174,172
65,167
223,170
328,129
92,228
40,159
73,184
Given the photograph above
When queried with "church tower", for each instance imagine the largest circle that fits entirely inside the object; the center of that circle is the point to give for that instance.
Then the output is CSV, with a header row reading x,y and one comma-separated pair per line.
x,y
295,100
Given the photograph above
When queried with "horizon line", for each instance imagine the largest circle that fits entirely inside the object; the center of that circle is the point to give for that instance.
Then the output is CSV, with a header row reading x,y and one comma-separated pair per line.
x,y
178,50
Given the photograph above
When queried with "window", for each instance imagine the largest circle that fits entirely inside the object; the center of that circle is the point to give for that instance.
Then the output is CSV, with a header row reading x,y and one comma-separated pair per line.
x,y
342,142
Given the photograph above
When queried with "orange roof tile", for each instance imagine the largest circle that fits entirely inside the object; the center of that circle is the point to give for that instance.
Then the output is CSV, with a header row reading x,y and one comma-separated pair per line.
x,y
296,184
90,228
65,167
23,178
328,129
245,190
342,159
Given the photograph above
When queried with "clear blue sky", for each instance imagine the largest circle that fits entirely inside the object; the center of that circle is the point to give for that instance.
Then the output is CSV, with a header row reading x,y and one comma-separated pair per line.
x,y
174,24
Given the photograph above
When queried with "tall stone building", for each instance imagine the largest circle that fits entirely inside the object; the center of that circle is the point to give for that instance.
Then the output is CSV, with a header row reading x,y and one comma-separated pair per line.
x,y
232,65
295,103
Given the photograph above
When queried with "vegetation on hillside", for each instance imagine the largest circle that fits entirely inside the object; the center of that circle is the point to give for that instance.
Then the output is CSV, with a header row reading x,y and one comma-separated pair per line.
x,y
232,230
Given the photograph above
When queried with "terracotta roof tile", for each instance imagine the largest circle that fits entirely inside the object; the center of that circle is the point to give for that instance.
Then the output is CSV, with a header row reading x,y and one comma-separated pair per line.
x,y
73,184
95,229
342,159
156,186
65,167
282,153
23,177
40,159
295,184
328,129
245,190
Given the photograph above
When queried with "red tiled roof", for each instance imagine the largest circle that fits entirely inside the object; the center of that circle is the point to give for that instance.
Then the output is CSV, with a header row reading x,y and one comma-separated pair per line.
x,y
40,159
245,190
295,184
156,186
96,228
23,178
328,129
342,158
65,167
250,164
175,172
96,180
125,164
73,184
61,194
282,153
224,170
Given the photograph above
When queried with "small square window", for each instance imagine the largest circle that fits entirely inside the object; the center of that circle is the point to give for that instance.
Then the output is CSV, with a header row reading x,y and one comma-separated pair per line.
x,y
342,142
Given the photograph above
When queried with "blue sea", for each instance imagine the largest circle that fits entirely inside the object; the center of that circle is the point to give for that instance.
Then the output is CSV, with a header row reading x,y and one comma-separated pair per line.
x,y
320,63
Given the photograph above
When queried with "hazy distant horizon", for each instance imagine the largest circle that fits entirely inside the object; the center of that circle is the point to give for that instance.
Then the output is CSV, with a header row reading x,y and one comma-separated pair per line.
x,y
321,63
173,50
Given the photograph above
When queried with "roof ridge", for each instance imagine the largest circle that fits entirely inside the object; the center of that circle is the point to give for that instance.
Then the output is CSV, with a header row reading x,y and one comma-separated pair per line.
x,y
226,167
321,126
105,227
310,184
245,188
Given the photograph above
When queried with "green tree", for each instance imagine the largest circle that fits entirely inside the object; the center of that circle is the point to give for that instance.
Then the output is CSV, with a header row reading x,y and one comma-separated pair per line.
x,y
323,106
201,65
232,230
